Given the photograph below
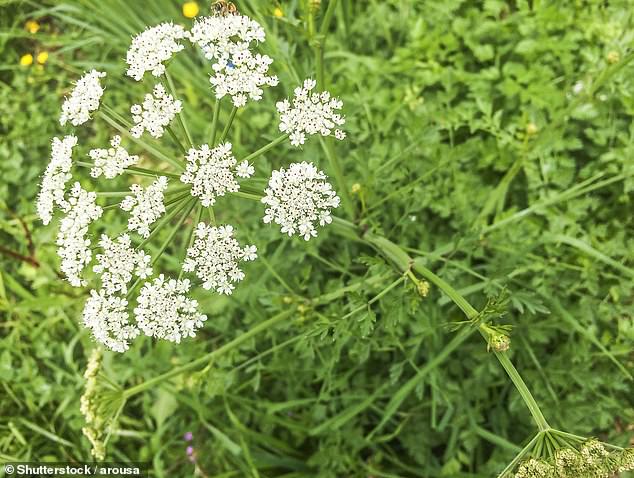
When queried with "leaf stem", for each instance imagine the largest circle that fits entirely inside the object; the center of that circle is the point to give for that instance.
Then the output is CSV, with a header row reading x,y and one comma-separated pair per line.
x,y
266,148
225,131
214,122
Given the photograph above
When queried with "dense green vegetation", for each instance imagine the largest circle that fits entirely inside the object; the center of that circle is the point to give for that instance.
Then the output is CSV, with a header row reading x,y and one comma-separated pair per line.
x,y
489,144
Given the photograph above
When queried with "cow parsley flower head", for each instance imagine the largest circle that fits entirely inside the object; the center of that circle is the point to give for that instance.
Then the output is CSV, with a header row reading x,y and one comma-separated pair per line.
x,y
220,36
74,246
155,113
310,113
55,177
118,262
83,99
533,468
106,316
112,161
214,257
242,77
165,312
212,172
145,205
152,47
298,198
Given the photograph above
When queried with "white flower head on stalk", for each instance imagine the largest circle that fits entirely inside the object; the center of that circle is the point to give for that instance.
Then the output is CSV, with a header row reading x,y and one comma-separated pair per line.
x,y
298,198
214,257
112,161
242,77
74,246
118,262
310,113
155,113
145,205
222,35
164,311
212,172
83,100
152,47
106,316
55,177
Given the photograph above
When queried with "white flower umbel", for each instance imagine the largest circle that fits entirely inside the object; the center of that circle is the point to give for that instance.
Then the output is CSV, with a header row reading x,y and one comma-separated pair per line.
x,y
83,99
118,262
155,113
107,318
310,113
222,35
298,198
214,257
165,312
212,172
74,246
55,177
152,47
242,76
111,161
145,206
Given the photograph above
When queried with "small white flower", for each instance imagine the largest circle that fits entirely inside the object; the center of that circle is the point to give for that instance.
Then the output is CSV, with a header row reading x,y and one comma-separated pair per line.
x,y
55,177
220,36
107,318
211,172
118,262
214,257
145,206
298,198
74,246
242,76
155,113
578,87
83,99
152,47
112,161
310,113
165,312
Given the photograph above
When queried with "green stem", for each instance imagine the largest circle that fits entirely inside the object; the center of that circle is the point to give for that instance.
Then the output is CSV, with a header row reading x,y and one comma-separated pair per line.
x,y
164,220
266,148
205,359
225,131
135,170
511,466
336,167
168,240
179,116
214,122
191,236
177,141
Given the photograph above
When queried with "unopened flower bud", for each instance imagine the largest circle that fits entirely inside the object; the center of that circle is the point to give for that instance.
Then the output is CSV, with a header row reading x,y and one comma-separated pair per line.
x,y
613,57
499,342
423,288
356,187
531,129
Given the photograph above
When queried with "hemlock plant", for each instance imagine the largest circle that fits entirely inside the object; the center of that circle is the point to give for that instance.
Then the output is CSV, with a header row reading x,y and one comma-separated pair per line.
x,y
137,296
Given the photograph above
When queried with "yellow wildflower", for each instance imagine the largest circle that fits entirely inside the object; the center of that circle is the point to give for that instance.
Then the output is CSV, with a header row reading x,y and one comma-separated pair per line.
x,y
26,60
278,12
42,57
190,9
32,26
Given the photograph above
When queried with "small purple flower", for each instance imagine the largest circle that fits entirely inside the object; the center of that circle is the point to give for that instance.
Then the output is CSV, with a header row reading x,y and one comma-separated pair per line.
x,y
189,436
189,450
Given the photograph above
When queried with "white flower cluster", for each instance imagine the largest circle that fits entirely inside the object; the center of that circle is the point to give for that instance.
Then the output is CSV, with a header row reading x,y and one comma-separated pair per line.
x,y
165,312
152,47
237,71
118,262
106,316
55,177
74,246
112,161
211,172
145,206
299,197
310,113
214,257
83,99
155,113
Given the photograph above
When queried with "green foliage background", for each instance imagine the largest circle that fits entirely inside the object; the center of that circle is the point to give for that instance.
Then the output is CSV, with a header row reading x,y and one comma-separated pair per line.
x,y
473,148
